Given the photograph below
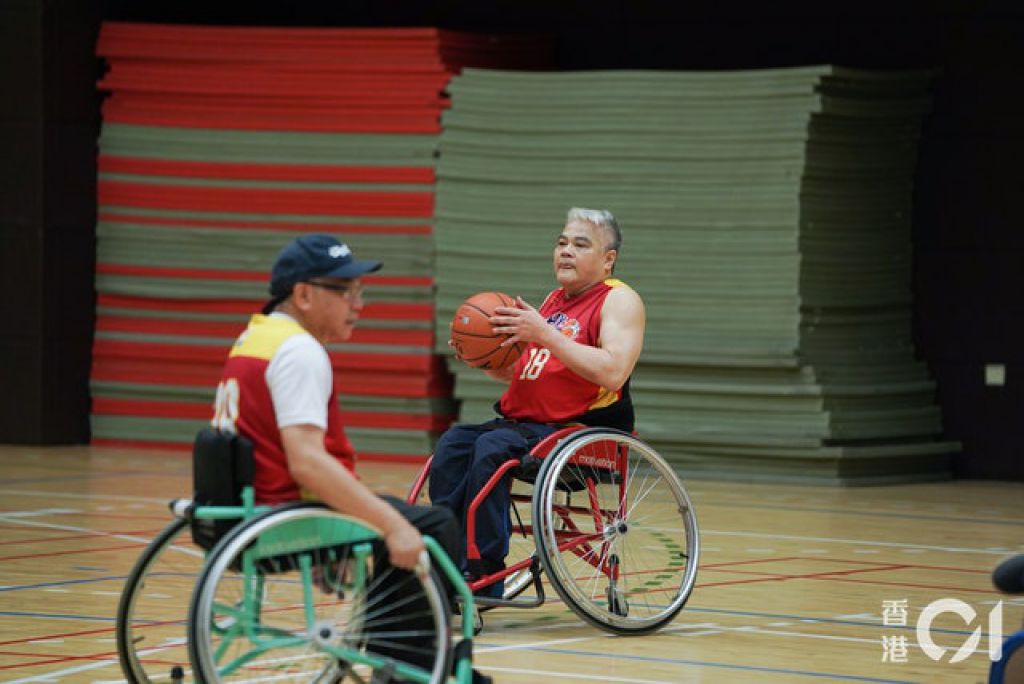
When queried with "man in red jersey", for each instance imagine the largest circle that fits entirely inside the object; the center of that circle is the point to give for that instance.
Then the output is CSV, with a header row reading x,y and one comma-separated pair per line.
x,y
277,389
582,345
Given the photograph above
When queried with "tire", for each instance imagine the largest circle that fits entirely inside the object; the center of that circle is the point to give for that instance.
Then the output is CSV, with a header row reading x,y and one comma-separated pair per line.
x,y
308,607
152,612
634,572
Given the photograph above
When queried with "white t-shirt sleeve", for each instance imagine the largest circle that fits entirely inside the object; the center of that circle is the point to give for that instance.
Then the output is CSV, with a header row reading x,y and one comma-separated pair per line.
x,y
300,381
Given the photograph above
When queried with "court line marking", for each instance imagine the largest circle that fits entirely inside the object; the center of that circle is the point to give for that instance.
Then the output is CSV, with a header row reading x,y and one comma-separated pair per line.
x,y
52,585
784,616
840,560
876,514
61,673
705,663
862,542
546,643
84,530
569,675
838,576
70,552
33,513
91,497
70,537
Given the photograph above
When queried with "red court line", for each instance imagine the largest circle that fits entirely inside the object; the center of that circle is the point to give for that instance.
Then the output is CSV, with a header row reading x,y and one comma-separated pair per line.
x,y
74,552
914,585
814,574
62,659
768,577
57,655
62,635
858,561
838,576
749,562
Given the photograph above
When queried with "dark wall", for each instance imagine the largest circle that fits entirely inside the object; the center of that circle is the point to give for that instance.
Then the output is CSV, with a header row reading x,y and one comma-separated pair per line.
x,y
48,128
968,254
969,244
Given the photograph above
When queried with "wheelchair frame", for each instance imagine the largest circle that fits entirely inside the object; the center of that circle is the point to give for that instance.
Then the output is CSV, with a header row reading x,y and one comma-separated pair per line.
x,y
297,531
574,540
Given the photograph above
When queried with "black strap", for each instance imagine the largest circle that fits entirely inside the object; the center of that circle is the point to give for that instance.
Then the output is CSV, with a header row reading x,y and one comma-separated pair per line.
x,y
463,650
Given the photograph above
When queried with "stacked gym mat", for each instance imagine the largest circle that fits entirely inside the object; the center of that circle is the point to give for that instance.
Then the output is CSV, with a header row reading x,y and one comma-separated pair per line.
x,y
221,144
766,219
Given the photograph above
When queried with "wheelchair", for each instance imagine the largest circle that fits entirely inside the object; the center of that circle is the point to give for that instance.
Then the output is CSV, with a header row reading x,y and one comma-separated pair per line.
x,y
604,516
290,593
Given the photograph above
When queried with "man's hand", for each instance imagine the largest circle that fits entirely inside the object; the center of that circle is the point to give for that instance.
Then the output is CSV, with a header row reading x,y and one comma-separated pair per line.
x,y
320,473
405,544
522,322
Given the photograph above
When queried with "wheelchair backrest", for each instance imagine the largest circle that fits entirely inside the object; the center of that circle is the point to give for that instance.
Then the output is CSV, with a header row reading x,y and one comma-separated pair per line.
x,y
222,464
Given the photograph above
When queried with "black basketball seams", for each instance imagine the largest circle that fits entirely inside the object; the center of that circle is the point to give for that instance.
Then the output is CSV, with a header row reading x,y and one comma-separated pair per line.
x,y
463,333
474,306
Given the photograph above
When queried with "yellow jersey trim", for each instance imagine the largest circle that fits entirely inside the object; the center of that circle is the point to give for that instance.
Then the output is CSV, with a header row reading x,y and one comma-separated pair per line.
x,y
264,336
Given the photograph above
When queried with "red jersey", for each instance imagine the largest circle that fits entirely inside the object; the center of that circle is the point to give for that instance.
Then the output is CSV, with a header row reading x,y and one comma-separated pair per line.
x,y
247,400
544,390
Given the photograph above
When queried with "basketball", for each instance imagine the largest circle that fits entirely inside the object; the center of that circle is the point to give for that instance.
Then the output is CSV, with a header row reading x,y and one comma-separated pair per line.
x,y
473,338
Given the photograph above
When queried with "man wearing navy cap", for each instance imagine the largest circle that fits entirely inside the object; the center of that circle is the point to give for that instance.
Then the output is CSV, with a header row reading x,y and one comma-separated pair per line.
x,y
277,390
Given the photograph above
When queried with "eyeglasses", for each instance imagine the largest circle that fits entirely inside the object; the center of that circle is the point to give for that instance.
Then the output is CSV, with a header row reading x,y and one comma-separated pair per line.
x,y
349,292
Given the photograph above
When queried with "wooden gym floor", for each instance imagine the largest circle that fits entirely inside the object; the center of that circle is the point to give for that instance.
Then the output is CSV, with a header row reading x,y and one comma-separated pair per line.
x,y
791,588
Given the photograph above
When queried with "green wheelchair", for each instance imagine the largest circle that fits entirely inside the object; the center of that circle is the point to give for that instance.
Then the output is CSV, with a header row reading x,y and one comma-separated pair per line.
x,y
291,593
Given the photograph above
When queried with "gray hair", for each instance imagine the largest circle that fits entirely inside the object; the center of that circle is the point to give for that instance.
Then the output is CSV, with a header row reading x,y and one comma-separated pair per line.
x,y
602,218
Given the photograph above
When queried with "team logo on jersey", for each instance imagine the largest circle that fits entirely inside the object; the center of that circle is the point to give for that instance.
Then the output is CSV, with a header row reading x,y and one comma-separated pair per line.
x,y
569,327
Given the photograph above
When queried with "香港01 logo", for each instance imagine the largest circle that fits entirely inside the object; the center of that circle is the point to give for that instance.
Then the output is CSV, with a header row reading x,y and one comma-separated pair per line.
x,y
895,648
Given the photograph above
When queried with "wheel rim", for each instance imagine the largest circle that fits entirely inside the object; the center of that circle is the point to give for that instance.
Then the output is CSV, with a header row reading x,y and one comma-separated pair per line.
x,y
152,615
309,610
652,540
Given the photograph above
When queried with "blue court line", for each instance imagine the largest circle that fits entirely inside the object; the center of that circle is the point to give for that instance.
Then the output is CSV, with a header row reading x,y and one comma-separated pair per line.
x,y
874,514
59,583
724,666
56,616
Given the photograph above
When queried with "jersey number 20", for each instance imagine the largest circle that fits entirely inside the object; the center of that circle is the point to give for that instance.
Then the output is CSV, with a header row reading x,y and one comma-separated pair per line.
x,y
225,406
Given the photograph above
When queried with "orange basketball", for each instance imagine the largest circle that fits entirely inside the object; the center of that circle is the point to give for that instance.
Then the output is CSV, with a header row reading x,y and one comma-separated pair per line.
x,y
473,337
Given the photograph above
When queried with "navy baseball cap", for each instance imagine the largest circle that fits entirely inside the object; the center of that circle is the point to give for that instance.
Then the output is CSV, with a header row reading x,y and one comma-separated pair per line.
x,y
318,255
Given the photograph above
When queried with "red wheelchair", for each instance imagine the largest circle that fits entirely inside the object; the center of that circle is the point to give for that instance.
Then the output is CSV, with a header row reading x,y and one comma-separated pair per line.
x,y
604,516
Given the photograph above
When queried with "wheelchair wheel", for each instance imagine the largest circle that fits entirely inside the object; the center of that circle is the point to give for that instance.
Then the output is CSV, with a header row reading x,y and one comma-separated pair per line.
x,y
151,614
616,532
314,603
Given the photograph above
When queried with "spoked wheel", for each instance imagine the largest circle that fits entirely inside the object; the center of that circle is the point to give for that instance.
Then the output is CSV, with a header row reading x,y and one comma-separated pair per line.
x,y
314,603
153,609
616,531
521,545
